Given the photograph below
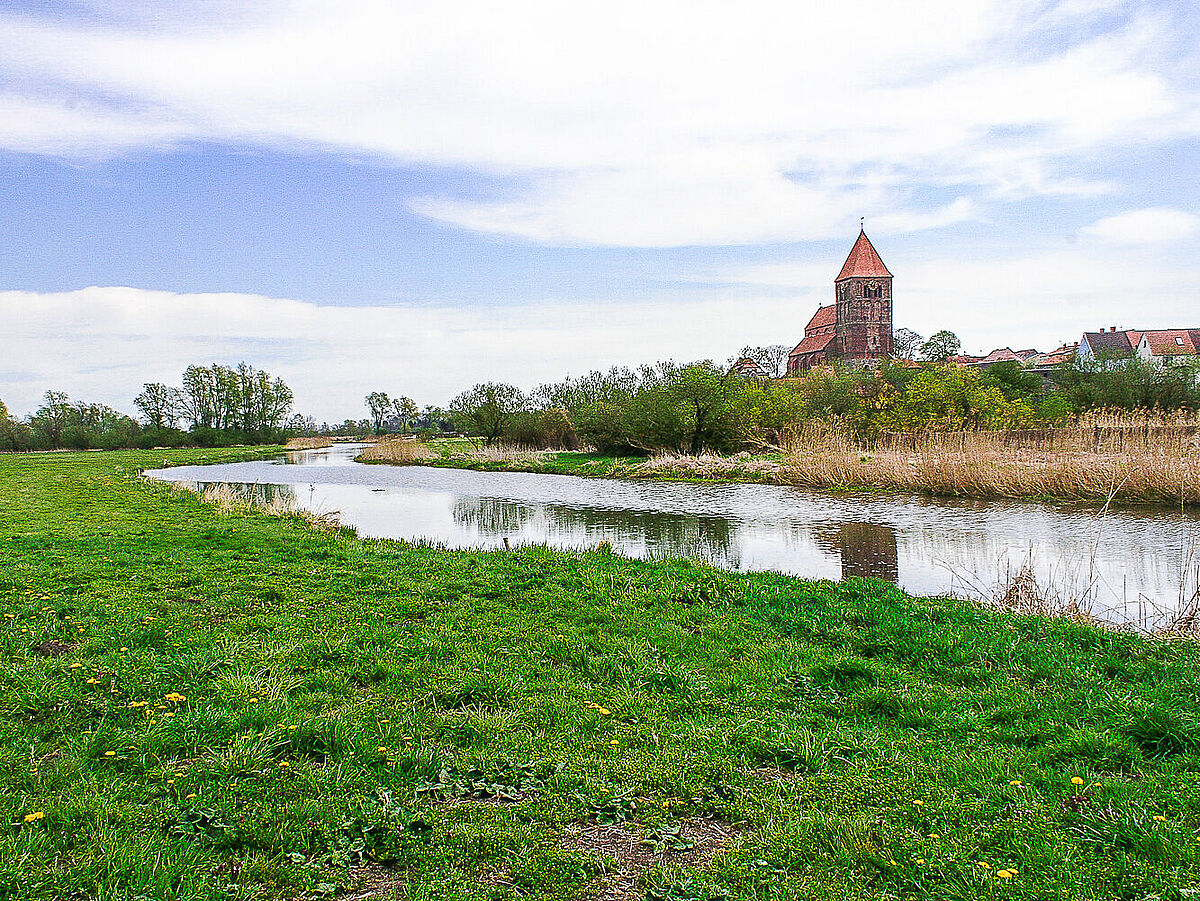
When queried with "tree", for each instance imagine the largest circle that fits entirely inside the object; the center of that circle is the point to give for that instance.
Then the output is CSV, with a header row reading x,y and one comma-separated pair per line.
x,y
405,411
771,359
907,343
159,405
380,405
487,409
53,417
941,346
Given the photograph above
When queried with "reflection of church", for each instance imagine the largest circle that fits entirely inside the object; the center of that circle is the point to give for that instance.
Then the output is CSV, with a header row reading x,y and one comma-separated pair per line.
x,y
857,326
867,550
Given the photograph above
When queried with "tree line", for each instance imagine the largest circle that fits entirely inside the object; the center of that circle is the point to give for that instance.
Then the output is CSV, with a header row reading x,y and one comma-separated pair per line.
x,y
702,406
214,405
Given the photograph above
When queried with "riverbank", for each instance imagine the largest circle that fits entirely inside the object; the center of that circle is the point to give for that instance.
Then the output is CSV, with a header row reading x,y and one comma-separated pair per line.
x,y
1156,471
202,704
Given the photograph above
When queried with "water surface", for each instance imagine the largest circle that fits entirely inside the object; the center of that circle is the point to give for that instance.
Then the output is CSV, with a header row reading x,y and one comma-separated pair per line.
x,y
1130,565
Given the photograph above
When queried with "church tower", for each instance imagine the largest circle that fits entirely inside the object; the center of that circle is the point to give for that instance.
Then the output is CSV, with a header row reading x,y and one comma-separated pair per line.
x,y
863,290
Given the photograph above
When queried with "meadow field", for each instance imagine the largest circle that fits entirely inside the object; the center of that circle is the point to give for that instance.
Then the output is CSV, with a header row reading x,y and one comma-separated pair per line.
x,y
205,703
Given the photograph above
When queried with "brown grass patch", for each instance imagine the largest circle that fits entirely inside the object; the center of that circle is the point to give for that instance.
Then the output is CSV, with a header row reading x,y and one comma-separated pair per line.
x,y
634,854
374,881
398,451
776,775
53,648
308,443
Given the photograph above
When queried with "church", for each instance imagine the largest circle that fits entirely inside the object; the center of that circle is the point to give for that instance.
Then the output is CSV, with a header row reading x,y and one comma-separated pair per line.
x,y
857,326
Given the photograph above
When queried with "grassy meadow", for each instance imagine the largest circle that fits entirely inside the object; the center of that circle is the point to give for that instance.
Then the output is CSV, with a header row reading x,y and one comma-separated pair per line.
x,y
204,704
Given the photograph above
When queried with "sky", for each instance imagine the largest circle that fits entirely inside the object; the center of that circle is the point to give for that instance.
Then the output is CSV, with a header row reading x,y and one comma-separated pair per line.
x,y
415,197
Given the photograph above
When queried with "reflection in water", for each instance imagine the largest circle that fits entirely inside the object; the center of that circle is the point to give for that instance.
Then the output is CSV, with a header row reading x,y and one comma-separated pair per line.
x,y
866,549
1122,564
708,538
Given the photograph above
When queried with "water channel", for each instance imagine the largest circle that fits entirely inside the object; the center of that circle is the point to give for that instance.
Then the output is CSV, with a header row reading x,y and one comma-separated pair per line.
x,y
1133,565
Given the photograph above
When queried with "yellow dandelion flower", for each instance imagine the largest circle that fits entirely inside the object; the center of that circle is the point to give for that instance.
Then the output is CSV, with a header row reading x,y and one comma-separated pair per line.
x,y
985,865
110,753
174,697
35,816
92,681
1159,818
284,763
123,650
76,665
292,728
170,782
254,700
920,861
918,803
892,862
1075,780
1016,783
381,750
935,835
1005,874
614,742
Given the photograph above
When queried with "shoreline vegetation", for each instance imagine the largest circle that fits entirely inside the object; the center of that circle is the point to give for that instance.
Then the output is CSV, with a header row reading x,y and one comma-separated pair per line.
x,y
1101,461
207,702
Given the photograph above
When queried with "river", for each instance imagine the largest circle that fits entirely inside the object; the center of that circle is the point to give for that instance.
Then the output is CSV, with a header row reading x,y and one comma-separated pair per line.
x,y
1134,565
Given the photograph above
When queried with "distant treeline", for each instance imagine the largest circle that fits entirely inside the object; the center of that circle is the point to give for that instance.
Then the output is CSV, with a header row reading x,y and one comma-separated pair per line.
x,y
215,405
702,406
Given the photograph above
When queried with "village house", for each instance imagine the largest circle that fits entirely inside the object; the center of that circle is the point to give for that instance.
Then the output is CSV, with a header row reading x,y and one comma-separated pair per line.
x,y
857,326
1169,347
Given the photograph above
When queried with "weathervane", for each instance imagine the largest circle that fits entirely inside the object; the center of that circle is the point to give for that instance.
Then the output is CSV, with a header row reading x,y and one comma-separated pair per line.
x,y
861,223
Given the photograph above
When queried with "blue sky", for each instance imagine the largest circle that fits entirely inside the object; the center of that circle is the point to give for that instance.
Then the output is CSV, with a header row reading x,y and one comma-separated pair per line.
x,y
415,197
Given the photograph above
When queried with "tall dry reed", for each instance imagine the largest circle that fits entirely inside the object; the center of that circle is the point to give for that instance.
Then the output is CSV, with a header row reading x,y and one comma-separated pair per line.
x,y
1159,465
396,450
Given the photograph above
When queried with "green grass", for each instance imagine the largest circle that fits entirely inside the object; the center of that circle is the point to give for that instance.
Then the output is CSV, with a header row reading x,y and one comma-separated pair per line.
x,y
341,696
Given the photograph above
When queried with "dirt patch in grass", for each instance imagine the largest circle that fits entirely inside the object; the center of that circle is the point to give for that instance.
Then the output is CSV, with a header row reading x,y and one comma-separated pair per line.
x,y
776,775
635,853
374,881
53,648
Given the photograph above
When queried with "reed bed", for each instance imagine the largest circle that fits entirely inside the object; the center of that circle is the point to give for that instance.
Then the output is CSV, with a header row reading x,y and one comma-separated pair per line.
x,y
308,443
240,499
1158,466
399,451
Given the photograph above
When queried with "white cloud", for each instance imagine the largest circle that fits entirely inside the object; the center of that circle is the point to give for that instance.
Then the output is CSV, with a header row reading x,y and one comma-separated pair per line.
x,y
1155,225
638,124
102,344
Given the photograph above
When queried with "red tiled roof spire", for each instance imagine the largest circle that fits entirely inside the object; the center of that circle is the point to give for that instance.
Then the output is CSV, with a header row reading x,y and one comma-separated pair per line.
x,y
863,262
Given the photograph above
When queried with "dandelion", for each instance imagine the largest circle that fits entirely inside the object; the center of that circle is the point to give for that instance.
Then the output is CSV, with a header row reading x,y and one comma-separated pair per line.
x,y
892,862
1159,818
174,697
110,753
1005,874
35,816
254,700
123,650
918,803
1075,780
76,665
920,861
92,681
983,864
284,763
292,728
935,835
381,750
1016,783
614,742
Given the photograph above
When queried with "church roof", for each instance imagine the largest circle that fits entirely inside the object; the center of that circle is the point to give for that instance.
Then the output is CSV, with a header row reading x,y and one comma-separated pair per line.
x,y
823,318
812,344
863,262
